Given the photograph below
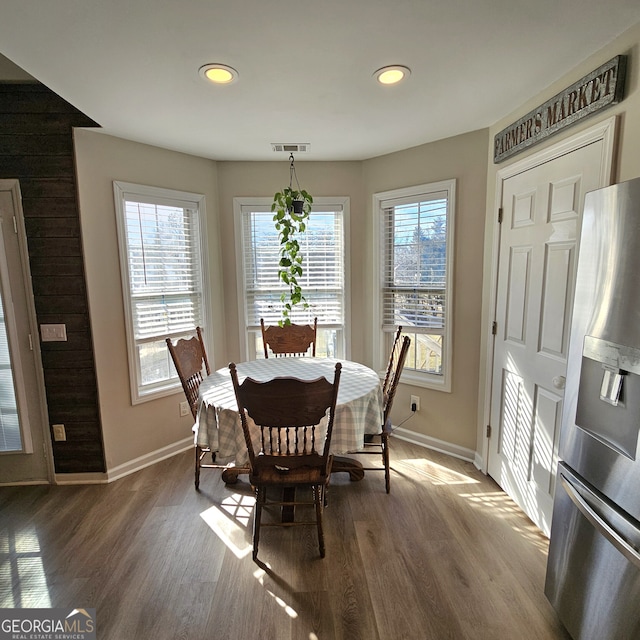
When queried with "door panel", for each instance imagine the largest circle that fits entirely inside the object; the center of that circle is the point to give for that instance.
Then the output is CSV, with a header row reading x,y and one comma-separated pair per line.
x,y
547,420
510,436
538,250
519,272
556,298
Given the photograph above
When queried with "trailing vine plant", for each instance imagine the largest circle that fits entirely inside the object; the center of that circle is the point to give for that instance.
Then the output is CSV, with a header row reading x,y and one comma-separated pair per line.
x,y
291,208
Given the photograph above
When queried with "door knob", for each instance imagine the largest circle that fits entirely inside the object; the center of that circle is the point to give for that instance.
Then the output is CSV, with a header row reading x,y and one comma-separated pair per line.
x,y
559,382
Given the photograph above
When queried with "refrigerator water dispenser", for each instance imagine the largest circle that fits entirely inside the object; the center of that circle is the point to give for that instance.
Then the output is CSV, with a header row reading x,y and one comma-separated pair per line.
x,y
609,394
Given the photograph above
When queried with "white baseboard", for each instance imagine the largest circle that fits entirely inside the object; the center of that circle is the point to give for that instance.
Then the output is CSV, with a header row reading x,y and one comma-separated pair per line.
x,y
127,468
80,478
24,483
437,445
148,459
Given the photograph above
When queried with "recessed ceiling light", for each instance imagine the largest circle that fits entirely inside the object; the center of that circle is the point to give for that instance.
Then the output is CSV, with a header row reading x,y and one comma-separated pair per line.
x,y
218,73
392,74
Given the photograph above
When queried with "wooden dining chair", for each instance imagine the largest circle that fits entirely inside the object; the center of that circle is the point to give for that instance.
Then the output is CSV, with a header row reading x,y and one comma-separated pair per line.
x,y
378,443
289,340
190,360
288,419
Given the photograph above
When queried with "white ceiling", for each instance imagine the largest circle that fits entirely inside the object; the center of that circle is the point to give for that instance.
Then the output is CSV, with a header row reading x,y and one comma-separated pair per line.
x,y
305,66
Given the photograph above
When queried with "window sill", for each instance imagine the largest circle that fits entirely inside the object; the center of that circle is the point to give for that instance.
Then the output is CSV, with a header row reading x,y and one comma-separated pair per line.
x,y
145,395
426,381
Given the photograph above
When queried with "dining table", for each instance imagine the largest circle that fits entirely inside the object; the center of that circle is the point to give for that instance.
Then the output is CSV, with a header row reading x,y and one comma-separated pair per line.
x,y
358,409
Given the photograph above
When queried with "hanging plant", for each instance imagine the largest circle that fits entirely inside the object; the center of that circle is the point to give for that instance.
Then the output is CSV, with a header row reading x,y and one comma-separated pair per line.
x,y
291,208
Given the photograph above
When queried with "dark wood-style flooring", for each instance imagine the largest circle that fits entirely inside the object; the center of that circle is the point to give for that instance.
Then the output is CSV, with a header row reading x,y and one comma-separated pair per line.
x,y
446,555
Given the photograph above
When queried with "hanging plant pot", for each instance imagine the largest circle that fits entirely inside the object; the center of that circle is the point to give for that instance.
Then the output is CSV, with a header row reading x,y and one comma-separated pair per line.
x,y
291,208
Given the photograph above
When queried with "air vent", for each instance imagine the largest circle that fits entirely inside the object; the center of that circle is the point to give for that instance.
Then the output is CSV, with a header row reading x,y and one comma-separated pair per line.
x,y
287,147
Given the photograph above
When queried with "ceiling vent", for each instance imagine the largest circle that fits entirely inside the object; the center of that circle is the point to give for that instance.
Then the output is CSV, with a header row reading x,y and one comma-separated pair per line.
x,y
301,147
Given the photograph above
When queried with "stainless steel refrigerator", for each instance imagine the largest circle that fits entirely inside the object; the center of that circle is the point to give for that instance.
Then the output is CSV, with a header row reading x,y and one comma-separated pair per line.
x,y
593,570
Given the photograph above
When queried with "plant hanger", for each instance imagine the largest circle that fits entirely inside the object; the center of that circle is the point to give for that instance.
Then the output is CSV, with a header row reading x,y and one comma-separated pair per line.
x,y
297,202
291,208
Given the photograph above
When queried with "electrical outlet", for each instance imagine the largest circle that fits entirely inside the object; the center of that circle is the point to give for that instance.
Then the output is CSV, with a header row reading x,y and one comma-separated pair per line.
x,y
184,408
59,434
415,400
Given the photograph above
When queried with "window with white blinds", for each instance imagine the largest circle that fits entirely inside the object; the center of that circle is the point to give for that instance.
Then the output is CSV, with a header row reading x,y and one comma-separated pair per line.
x,y
322,281
10,432
416,231
161,256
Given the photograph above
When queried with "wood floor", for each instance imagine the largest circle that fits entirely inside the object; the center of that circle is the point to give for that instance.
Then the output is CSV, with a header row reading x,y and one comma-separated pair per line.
x,y
446,555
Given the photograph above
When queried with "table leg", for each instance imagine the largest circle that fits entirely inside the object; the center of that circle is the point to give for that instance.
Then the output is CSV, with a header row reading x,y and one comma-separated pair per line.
x,y
288,510
230,474
348,465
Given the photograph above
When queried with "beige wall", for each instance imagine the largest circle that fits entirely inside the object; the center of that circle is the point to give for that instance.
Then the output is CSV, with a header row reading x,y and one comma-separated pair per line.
x,y
10,72
449,417
626,165
130,431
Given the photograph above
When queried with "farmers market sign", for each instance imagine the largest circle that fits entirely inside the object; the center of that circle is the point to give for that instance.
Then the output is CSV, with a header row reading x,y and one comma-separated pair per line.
x,y
599,89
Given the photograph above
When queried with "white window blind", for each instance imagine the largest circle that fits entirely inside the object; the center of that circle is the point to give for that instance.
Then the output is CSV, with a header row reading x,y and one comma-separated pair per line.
x,y
416,231
10,435
322,281
164,274
414,289
161,243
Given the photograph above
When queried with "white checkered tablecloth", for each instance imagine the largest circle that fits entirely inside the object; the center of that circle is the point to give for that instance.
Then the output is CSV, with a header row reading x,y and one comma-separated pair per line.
x,y
358,409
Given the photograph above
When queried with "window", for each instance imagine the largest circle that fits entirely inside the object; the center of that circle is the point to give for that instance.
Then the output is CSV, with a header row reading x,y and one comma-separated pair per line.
x,y
162,261
415,275
19,399
10,433
323,280
15,434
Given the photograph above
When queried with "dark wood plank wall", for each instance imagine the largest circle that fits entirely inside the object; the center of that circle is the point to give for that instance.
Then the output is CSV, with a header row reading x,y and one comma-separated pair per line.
x,y
36,146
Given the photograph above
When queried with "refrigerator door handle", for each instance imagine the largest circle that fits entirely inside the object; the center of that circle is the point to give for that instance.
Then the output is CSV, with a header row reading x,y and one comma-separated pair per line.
x,y
600,524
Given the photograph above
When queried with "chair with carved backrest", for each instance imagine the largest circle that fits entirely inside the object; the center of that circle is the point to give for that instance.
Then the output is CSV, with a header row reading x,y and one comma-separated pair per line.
x,y
287,425
378,443
289,340
190,359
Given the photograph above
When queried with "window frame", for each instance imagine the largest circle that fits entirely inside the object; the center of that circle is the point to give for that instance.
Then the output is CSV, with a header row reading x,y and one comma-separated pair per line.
x,y
382,201
158,195
320,203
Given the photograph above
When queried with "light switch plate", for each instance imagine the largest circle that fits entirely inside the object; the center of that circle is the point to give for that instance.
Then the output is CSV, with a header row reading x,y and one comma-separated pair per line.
x,y
53,332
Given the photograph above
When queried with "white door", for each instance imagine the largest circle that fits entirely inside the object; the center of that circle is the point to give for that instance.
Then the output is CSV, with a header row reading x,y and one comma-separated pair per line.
x,y
541,215
24,450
